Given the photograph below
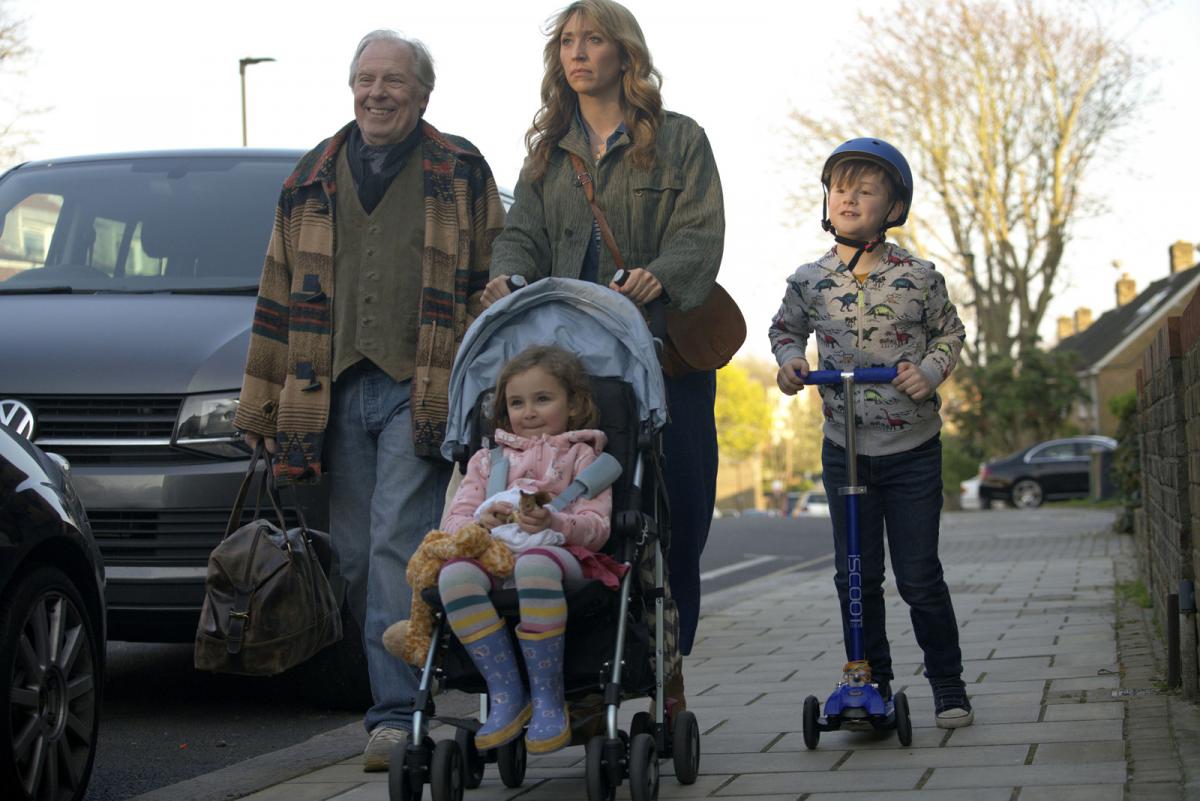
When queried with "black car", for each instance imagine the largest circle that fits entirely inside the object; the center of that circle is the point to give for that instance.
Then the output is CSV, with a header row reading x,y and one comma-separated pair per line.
x,y
1052,470
52,627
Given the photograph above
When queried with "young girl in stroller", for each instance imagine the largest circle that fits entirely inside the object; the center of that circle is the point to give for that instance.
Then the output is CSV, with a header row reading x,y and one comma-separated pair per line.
x,y
543,417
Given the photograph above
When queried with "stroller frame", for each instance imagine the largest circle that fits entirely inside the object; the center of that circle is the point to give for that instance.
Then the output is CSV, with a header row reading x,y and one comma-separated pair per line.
x,y
450,766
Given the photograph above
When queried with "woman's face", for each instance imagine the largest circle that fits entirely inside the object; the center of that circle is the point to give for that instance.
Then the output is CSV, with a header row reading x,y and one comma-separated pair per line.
x,y
590,59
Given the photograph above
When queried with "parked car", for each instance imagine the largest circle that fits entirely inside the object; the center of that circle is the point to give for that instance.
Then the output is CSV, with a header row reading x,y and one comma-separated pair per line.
x,y
1052,470
968,495
814,503
52,627
127,292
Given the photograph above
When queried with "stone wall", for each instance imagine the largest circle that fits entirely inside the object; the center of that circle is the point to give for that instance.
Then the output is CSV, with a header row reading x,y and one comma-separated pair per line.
x,y
1168,525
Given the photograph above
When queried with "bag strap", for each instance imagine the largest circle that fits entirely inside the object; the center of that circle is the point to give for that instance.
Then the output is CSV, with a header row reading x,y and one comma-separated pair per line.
x,y
498,477
268,482
584,179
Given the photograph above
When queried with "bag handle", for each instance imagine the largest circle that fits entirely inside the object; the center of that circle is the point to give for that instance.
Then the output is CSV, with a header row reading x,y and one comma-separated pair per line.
x,y
268,481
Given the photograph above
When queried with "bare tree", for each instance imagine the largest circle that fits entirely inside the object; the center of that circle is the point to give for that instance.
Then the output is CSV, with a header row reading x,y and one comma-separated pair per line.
x,y
1001,107
14,50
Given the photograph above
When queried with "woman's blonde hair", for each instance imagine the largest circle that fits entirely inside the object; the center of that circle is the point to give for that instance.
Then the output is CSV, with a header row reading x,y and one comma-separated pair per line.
x,y
565,368
641,98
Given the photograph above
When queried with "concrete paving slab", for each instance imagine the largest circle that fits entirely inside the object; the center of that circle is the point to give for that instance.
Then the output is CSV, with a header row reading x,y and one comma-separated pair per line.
x,y
1098,751
986,755
1028,775
1113,710
830,781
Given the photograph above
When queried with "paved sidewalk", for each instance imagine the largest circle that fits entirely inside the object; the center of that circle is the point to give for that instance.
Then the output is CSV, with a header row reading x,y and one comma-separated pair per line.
x,y
1034,592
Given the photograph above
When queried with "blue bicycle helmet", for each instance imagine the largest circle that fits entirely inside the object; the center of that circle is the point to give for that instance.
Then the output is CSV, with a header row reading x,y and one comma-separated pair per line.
x,y
883,154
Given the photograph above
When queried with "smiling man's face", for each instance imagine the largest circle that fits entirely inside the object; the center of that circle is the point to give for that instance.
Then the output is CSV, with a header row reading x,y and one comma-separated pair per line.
x,y
388,99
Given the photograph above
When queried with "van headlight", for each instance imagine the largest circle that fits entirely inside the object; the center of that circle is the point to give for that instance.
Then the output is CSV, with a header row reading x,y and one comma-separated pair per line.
x,y
206,424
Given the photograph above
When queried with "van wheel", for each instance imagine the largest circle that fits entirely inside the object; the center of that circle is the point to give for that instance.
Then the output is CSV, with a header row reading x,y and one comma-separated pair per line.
x,y
50,664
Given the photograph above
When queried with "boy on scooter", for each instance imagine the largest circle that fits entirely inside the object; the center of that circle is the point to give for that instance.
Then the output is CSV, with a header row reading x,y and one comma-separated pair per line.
x,y
873,304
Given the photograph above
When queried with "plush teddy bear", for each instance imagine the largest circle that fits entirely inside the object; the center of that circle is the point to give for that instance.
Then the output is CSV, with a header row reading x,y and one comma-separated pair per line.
x,y
409,639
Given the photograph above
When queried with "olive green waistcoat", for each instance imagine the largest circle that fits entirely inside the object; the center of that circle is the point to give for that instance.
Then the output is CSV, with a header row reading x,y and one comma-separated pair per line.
x,y
377,270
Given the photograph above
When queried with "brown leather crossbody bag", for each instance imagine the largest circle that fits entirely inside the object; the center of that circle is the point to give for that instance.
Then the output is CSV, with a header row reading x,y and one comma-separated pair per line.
x,y
703,338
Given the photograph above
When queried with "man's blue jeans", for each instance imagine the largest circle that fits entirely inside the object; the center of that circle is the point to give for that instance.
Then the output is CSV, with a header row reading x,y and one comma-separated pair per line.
x,y
383,499
904,491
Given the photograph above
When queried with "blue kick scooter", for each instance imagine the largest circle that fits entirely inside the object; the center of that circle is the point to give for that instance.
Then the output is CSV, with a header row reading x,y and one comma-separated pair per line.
x,y
856,704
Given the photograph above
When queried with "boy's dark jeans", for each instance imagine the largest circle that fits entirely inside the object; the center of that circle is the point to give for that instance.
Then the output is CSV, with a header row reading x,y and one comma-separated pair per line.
x,y
905,491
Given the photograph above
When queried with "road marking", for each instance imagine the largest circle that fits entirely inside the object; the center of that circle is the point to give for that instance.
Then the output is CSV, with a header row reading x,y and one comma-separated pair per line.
x,y
736,566
758,560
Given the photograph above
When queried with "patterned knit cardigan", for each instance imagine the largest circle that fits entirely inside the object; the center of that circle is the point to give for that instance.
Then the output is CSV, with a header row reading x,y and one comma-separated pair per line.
x,y
287,385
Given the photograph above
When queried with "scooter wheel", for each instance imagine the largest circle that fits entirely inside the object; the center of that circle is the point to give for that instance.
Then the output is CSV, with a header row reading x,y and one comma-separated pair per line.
x,y
812,712
903,721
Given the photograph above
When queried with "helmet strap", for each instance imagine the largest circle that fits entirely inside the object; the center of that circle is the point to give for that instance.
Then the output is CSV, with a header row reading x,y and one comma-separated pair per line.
x,y
863,245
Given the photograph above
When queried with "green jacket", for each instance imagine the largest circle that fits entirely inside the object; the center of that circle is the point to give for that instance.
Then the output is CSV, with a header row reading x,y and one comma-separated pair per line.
x,y
669,219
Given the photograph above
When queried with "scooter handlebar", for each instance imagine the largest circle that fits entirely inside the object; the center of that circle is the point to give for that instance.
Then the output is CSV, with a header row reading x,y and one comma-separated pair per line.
x,y
862,375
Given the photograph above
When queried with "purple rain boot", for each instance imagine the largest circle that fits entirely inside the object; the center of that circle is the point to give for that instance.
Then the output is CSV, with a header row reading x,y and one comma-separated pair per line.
x,y
550,727
508,704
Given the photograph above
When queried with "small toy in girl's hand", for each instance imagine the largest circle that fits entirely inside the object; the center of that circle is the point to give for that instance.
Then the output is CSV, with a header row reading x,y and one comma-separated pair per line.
x,y
530,501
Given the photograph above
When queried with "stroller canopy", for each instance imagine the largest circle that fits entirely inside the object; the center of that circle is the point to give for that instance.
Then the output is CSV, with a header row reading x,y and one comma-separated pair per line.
x,y
604,329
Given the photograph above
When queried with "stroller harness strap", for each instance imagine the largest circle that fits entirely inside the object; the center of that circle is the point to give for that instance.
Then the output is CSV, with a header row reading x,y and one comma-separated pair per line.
x,y
591,481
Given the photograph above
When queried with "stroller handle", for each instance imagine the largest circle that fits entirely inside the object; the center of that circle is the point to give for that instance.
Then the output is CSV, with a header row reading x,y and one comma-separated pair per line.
x,y
862,375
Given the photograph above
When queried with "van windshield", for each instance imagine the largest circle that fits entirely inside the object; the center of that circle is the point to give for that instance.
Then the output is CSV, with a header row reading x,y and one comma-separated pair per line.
x,y
195,223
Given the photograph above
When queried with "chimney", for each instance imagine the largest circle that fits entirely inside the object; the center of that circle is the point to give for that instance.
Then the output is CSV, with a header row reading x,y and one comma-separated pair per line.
x,y
1183,256
1066,328
1083,318
1126,290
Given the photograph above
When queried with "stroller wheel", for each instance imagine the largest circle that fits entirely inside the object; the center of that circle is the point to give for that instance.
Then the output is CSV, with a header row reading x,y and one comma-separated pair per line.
x,y
812,732
510,759
685,747
642,722
643,768
599,787
473,764
903,721
401,764
446,772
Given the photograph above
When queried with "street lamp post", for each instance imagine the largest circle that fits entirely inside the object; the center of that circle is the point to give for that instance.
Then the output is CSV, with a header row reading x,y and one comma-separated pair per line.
x,y
242,64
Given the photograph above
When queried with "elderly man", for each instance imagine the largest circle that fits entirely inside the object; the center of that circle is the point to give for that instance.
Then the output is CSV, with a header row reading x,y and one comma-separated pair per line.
x,y
374,270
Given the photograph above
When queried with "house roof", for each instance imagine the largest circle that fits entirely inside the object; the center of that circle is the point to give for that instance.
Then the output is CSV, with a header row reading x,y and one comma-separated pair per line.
x,y
1108,335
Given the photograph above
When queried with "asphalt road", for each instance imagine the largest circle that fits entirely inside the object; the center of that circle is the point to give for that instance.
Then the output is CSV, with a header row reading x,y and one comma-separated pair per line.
x,y
164,722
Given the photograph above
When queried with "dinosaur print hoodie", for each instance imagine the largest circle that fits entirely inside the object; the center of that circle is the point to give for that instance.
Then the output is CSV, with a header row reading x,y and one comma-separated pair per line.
x,y
900,313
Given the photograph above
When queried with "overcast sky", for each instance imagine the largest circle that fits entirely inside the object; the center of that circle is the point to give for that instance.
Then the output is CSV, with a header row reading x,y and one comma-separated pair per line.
x,y
131,75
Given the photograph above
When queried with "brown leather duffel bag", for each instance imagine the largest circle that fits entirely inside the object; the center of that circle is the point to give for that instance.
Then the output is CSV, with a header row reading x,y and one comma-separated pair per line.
x,y
268,605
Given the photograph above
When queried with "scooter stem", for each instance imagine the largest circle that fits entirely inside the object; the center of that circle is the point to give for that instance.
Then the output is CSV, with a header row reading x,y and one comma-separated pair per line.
x,y
853,544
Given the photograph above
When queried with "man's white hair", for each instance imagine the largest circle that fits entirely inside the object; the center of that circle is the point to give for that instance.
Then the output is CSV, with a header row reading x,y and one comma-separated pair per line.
x,y
422,60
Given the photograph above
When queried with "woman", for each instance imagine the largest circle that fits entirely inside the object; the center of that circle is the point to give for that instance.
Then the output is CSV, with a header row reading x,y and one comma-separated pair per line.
x,y
656,182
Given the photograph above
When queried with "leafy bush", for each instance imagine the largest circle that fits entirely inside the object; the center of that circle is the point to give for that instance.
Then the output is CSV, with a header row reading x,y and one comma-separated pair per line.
x,y
1127,458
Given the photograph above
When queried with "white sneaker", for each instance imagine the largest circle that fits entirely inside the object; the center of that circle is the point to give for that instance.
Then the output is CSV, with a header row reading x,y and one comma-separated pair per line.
x,y
378,753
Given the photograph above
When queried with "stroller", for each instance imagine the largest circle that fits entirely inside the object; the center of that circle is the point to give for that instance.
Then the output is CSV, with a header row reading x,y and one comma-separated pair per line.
x,y
615,644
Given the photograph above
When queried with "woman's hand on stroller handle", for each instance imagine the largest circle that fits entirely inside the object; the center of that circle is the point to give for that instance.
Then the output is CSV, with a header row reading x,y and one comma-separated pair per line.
x,y
500,286
637,284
